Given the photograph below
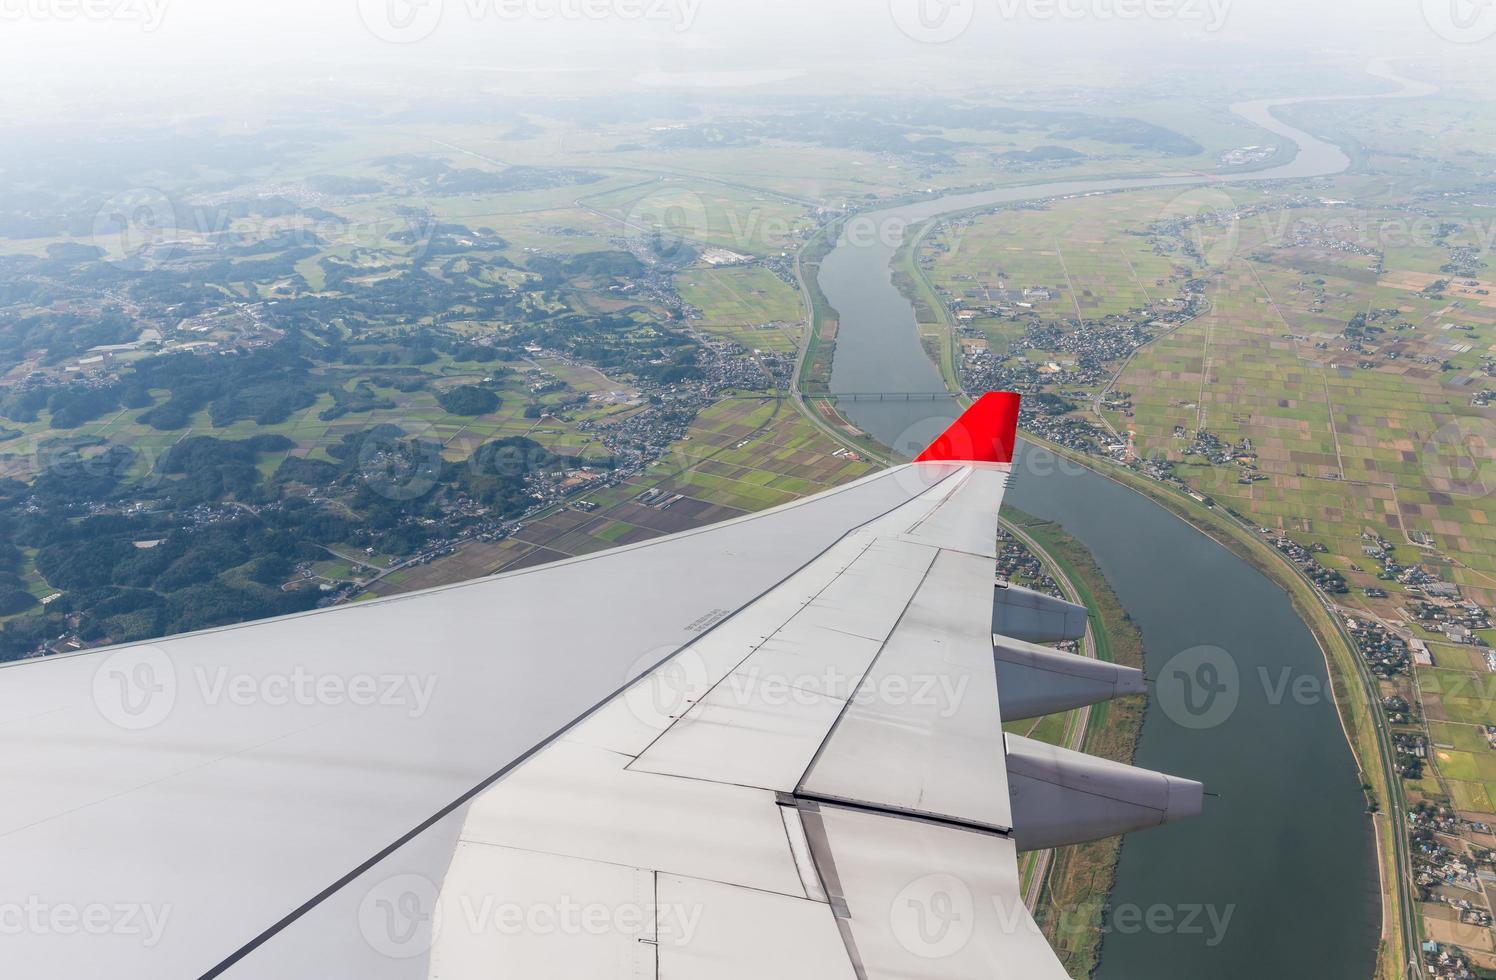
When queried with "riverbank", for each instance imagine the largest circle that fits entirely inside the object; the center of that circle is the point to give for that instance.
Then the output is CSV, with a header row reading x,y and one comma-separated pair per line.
x,y
1078,882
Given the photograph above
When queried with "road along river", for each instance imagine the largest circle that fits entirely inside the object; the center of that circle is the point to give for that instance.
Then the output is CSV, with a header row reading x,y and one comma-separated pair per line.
x,y
1279,878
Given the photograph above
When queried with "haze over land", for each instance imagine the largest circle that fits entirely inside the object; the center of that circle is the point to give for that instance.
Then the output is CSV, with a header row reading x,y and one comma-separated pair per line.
x,y
220,55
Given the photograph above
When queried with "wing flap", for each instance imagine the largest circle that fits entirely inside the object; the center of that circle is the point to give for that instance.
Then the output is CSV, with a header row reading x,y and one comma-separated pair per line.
x,y
926,900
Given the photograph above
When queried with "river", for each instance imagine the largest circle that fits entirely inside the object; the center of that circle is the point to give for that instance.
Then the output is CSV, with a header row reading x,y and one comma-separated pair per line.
x,y
1279,877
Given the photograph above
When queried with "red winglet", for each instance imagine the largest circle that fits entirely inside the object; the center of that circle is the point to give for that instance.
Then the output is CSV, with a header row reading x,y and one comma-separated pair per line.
x,y
985,433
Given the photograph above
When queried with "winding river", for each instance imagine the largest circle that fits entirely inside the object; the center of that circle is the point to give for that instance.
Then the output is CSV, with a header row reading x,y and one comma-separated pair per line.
x,y
1279,878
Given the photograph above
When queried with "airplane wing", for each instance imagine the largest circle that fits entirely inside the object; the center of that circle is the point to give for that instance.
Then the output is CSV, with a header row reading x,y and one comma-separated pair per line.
x,y
772,747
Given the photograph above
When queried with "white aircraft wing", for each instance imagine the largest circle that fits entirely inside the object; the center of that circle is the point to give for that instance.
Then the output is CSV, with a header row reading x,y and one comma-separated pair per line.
x,y
772,747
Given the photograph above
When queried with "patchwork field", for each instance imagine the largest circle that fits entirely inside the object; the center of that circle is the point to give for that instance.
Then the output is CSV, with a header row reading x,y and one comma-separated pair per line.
x,y
1376,434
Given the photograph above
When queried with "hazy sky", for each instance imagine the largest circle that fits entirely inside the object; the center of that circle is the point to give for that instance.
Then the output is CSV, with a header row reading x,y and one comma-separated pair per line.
x,y
146,51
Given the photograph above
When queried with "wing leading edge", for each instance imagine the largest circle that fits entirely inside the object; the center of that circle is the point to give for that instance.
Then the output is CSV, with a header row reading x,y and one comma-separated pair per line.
x,y
807,778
